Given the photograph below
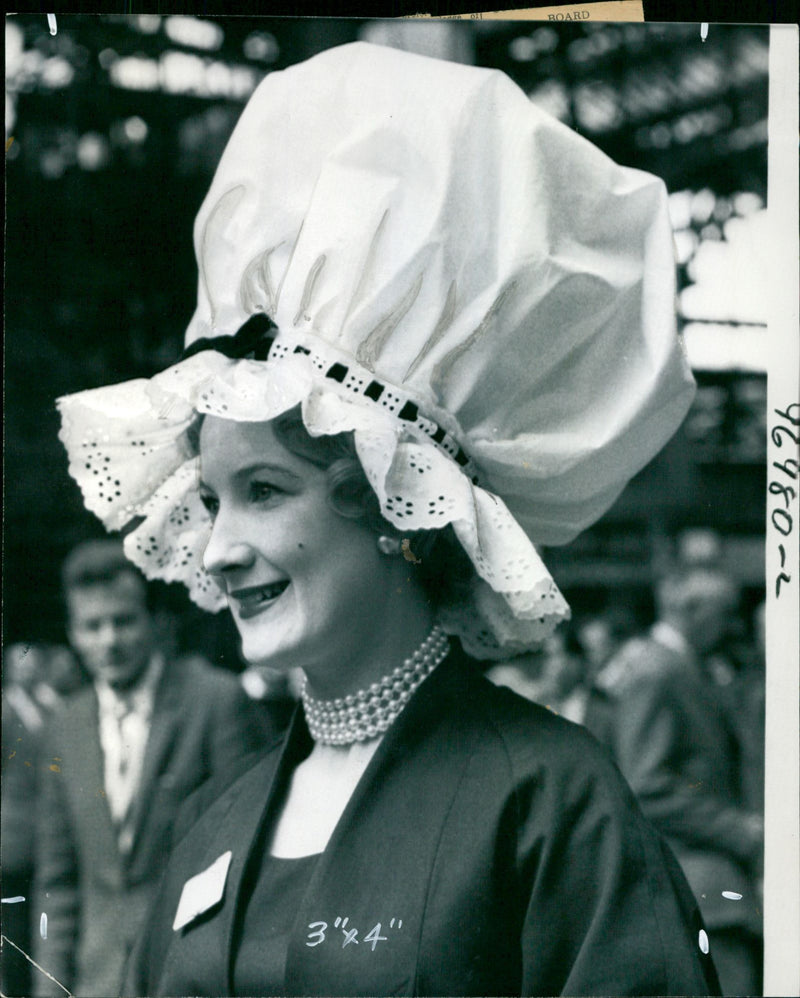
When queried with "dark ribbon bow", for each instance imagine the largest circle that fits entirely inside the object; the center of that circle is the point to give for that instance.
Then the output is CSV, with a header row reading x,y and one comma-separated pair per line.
x,y
252,339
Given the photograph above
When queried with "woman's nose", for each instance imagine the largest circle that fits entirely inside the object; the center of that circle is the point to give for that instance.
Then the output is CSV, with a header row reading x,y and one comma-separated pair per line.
x,y
226,549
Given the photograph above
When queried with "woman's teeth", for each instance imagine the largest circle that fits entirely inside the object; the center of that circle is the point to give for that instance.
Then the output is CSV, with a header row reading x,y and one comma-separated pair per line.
x,y
271,592
253,600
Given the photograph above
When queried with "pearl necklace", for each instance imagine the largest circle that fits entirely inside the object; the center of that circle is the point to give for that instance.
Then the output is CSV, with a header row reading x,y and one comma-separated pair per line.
x,y
368,713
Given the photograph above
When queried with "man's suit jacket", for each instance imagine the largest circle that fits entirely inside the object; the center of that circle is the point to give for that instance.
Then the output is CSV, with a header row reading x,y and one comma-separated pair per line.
x,y
670,732
95,898
494,842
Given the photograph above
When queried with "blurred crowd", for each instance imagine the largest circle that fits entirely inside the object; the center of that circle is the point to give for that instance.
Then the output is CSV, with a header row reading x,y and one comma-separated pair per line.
x,y
36,679
104,739
680,706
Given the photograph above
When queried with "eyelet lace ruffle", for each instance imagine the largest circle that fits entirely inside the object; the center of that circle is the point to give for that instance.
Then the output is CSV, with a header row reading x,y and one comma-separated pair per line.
x,y
129,452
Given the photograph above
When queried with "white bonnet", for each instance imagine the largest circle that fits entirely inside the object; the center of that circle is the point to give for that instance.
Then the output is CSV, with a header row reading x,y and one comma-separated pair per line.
x,y
481,295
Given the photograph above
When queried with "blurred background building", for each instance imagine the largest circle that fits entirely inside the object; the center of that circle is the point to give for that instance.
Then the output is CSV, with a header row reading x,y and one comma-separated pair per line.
x,y
113,129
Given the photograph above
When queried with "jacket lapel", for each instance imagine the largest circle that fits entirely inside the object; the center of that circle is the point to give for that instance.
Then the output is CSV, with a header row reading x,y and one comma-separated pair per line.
x,y
86,762
240,829
164,728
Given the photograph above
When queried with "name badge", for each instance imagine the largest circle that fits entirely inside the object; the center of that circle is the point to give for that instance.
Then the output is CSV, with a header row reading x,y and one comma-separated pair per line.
x,y
202,891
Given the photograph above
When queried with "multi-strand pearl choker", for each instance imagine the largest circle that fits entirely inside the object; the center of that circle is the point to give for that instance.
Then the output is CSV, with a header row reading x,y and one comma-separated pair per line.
x,y
368,713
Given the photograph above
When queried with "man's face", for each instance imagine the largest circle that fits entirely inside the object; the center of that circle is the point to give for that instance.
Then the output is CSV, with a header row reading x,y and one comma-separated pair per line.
x,y
111,629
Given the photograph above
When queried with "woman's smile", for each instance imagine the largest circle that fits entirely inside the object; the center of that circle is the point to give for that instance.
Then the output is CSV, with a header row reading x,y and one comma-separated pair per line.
x,y
252,600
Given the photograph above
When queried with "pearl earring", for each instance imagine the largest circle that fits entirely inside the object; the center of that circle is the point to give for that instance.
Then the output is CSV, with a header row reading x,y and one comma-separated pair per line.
x,y
388,545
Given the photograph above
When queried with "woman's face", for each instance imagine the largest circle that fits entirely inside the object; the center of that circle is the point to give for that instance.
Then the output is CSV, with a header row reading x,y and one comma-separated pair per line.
x,y
306,586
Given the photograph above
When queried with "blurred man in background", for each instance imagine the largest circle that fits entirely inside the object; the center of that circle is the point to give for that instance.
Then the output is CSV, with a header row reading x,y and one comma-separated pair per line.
x,y
672,734
36,677
600,636
117,761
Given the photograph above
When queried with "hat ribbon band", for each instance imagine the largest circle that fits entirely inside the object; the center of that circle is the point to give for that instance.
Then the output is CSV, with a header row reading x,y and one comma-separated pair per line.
x,y
255,339
252,339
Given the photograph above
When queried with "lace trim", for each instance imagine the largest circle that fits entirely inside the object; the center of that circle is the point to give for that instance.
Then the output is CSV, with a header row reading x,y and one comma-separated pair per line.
x,y
347,374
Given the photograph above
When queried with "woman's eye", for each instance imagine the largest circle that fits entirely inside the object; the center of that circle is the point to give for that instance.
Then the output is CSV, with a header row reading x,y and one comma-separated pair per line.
x,y
211,504
262,491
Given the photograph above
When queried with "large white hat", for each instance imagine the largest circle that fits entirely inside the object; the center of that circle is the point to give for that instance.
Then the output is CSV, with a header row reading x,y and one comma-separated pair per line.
x,y
481,295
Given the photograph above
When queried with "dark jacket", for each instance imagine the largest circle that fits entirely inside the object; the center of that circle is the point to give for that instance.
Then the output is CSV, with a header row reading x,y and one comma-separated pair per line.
x,y
94,897
498,834
670,731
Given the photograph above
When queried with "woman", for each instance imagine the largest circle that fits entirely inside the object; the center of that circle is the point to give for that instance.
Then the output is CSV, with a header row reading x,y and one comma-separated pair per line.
x,y
433,327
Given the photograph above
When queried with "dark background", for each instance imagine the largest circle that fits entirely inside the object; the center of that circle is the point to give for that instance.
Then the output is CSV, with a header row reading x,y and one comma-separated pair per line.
x,y
117,124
